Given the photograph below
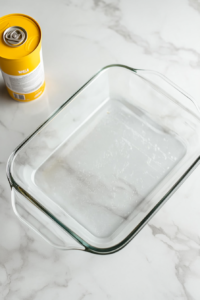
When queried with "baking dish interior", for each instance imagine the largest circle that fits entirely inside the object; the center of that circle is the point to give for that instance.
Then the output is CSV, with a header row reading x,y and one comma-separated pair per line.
x,y
109,155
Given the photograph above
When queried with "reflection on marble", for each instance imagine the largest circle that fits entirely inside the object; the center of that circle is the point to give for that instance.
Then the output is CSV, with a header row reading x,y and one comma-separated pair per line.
x,y
162,262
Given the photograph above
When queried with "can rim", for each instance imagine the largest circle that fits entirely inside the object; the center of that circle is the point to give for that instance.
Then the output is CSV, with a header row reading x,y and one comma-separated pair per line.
x,y
40,32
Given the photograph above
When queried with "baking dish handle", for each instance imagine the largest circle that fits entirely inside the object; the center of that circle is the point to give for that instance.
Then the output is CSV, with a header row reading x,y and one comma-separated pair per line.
x,y
42,224
170,88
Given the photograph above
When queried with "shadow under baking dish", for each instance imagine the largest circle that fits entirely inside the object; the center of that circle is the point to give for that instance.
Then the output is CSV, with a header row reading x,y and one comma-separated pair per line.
x,y
102,174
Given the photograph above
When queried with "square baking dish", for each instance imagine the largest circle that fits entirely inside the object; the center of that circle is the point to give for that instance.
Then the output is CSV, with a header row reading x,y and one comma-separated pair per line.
x,y
98,169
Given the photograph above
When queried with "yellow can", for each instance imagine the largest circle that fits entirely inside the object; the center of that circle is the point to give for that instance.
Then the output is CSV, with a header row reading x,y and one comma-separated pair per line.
x,y
21,60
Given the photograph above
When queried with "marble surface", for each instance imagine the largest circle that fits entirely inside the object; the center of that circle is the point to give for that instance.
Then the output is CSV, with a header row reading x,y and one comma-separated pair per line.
x,y
80,37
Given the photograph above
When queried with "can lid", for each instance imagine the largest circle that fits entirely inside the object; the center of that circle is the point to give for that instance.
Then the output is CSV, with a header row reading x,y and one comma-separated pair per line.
x,y
14,36
19,36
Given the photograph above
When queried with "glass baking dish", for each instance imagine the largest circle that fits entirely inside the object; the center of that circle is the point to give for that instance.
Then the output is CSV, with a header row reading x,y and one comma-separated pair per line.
x,y
93,174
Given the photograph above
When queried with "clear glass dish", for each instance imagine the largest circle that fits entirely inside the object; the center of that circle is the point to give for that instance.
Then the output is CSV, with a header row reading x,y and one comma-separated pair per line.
x,y
99,168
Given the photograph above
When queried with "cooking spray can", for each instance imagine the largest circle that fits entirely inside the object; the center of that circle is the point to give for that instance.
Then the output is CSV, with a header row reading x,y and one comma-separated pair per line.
x,y
21,60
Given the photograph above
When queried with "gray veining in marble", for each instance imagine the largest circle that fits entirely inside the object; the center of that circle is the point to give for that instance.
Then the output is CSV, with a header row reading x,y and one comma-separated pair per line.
x,y
163,261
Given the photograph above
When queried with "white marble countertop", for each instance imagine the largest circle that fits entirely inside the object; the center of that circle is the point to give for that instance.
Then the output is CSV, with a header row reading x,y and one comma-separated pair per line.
x,y
79,37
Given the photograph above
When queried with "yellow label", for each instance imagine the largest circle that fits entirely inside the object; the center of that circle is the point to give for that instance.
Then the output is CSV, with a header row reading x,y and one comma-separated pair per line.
x,y
13,66
22,66
27,97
